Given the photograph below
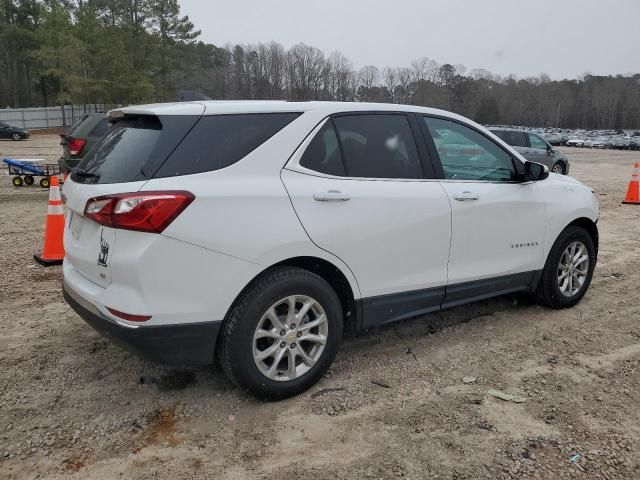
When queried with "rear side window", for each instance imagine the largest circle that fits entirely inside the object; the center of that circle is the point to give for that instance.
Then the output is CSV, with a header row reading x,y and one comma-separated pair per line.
x,y
323,153
378,146
218,141
513,138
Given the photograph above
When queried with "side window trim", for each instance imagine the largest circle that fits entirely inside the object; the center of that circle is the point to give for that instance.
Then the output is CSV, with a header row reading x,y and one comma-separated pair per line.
x,y
340,147
431,145
427,166
426,159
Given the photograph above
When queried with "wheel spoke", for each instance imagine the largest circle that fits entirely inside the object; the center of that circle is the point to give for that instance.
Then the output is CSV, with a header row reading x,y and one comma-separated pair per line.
x,y
305,327
291,313
260,333
580,260
308,361
273,369
304,310
267,352
291,359
564,284
275,320
311,337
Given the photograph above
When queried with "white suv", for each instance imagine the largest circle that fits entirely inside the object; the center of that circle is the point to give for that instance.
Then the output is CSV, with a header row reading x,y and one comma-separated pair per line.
x,y
260,231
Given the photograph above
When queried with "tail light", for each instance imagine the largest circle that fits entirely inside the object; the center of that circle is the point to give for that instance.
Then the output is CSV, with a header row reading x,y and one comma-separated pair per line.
x,y
141,211
75,146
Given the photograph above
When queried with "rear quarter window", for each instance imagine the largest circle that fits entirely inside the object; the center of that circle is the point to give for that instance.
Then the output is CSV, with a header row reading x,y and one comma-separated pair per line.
x,y
218,141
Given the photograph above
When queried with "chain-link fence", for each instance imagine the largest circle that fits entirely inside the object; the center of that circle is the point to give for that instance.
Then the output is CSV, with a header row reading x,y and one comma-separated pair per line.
x,y
49,117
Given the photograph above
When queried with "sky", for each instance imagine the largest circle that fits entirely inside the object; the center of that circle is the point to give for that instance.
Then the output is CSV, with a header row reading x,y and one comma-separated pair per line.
x,y
563,38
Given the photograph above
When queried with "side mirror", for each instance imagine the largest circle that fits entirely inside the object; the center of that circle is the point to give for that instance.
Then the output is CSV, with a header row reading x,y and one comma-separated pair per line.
x,y
534,172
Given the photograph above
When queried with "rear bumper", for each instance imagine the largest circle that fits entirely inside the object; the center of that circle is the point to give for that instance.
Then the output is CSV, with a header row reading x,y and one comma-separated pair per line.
x,y
188,344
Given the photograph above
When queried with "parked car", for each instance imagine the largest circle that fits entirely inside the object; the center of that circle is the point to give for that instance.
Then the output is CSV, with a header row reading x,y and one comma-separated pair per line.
x,y
80,138
261,231
575,142
534,148
621,142
14,133
554,138
599,142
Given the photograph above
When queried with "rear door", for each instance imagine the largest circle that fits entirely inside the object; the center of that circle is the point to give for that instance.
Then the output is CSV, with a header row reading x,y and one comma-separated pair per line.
x,y
364,191
539,150
498,222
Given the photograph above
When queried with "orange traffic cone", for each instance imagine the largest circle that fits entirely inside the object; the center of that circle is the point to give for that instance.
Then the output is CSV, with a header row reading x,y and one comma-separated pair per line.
x,y
53,250
633,193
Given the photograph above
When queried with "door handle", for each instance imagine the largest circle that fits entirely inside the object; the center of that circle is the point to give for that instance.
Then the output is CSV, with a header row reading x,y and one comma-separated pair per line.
x,y
465,196
331,196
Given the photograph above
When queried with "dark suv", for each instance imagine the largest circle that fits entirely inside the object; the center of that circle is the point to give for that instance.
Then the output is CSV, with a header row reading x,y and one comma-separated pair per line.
x,y
534,148
80,138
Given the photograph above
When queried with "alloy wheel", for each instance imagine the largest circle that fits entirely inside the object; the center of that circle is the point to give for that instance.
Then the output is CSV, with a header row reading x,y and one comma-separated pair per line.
x,y
573,269
290,338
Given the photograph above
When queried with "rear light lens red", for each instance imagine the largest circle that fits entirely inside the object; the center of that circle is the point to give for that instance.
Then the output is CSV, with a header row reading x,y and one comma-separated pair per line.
x,y
128,316
141,211
75,146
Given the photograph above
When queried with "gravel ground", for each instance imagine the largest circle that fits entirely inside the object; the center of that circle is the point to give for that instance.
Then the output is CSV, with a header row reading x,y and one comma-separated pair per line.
x,y
410,400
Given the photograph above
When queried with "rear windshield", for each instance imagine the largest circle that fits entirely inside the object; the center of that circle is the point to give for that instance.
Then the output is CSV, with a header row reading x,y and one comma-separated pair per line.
x,y
218,141
133,149
144,147
101,128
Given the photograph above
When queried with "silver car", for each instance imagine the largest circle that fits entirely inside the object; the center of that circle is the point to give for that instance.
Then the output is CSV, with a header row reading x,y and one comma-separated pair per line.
x,y
534,148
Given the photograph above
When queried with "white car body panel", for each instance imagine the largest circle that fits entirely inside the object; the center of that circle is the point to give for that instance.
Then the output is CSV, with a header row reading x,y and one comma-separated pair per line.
x,y
408,234
485,231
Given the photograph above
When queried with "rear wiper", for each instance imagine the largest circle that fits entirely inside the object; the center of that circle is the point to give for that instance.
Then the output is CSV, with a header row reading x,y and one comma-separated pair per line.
x,y
84,173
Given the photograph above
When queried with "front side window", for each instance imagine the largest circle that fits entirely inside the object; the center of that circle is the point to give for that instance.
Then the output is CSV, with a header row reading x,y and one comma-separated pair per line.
x,y
378,146
466,154
537,142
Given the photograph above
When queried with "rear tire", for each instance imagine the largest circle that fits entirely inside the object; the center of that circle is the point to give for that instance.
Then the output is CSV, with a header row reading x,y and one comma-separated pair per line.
x,y
550,289
17,181
245,360
45,182
28,179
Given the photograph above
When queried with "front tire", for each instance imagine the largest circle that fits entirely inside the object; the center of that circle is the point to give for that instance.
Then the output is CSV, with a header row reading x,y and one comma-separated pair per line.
x,y
558,167
282,334
569,269
16,137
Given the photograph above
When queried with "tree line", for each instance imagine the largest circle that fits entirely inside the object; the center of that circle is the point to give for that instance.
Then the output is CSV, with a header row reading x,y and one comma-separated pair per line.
x,y
136,51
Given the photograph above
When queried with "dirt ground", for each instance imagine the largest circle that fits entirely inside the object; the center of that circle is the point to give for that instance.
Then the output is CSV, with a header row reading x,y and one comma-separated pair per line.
x,y
73,405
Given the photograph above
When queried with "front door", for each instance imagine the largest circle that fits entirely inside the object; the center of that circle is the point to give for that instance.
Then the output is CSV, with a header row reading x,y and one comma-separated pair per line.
x,y
498,222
